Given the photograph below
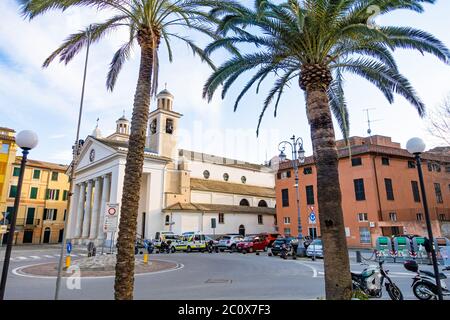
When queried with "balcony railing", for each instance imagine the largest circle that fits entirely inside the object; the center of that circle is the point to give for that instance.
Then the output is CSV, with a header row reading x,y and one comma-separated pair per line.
x,y
25,222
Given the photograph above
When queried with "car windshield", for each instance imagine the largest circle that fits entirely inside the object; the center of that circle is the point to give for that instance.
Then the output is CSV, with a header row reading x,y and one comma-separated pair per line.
x,y
249,239
280,241
317,242
225,238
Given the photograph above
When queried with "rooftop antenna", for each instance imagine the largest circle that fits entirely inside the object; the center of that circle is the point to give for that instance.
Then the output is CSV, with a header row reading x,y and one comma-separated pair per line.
x,y
98,119
369,122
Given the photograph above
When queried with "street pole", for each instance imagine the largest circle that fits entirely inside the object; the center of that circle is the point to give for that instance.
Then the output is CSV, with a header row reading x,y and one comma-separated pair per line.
x,y
13,225
72,169
428,222
295,165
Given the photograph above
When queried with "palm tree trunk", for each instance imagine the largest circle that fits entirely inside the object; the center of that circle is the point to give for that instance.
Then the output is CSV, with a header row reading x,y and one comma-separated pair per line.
x,y
124,283
338,284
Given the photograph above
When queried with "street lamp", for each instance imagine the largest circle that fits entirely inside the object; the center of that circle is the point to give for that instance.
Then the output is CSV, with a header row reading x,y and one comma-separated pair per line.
x,y
416,146
26,140
298,154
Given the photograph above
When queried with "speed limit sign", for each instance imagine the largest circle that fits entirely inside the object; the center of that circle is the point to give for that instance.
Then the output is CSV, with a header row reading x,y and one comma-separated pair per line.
x,y
111,217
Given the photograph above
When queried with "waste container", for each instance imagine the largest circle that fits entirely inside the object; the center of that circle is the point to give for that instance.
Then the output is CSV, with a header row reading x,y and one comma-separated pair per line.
x,y
384,248
441,244
418,250
402,247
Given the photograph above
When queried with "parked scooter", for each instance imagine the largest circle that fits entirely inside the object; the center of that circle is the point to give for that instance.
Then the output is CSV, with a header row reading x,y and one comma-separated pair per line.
x,y
370,281
424,283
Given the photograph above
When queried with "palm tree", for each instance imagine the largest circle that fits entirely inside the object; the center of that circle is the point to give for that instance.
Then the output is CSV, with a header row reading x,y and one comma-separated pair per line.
x,y
149,22
315,42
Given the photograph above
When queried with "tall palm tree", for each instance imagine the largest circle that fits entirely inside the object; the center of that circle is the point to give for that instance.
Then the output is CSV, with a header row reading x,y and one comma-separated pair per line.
x,y
315,42
149,22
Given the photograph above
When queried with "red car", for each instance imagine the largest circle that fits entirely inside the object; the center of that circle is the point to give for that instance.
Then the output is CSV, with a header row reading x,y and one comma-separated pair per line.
x,y
252,244
271,237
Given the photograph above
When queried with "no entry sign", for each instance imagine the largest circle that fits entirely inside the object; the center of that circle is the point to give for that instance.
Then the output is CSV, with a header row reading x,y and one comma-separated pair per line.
x,y
111,217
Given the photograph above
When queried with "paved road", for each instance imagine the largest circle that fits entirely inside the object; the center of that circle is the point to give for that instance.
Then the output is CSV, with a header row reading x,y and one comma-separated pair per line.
x,y
201,276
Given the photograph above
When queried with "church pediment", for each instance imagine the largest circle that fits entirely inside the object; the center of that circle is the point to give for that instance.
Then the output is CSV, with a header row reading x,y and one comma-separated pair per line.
x,y
93,151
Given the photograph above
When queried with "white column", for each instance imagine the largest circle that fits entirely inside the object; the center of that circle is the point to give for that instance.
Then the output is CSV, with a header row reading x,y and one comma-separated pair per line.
x,y
95,209
72,216
80,210
105,199
87,214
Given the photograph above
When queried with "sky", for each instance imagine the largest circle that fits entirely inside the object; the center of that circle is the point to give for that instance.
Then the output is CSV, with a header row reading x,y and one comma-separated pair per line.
x,y
47,100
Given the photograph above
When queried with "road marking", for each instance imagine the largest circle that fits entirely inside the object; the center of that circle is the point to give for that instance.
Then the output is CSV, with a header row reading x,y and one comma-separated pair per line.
x,y
83,254
22,258
311,267
48,256
35,257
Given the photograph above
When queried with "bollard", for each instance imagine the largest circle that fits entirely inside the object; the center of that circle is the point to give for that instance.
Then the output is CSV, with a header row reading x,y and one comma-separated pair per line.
x,y
145,258
358,257
68,260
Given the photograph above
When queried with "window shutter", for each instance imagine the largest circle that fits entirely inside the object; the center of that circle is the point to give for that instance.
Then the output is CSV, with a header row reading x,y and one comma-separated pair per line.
x,y
55,213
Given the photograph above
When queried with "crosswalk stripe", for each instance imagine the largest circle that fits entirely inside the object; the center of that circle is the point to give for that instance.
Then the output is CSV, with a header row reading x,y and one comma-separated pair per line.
x,y
48,256
83,254
35,257
22,258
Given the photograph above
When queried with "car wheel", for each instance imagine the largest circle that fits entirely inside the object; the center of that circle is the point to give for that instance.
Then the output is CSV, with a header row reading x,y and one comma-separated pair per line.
x,y
275,254
266,248
173,250
222,250
188,249
233,248
244,251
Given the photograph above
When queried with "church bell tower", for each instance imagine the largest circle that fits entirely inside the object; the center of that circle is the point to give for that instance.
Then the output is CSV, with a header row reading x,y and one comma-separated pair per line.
x,y
163,125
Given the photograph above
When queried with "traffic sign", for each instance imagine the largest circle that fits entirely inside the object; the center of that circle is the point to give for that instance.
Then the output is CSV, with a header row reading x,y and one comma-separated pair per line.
x,y
69,247
312,218
111,217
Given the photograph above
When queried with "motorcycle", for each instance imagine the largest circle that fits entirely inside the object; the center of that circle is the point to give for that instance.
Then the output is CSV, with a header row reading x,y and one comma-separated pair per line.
x,y
424,283
370,281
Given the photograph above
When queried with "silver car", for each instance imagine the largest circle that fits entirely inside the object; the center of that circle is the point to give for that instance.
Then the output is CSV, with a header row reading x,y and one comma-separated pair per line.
x,y
229,242
315,249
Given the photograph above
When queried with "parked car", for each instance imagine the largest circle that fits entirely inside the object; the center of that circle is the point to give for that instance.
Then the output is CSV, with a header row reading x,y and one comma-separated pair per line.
x,y
271,237
315,249
229,242
276,246
252,244
307,241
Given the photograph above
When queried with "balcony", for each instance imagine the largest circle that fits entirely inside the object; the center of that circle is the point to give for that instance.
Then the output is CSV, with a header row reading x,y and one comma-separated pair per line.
x,y
26,223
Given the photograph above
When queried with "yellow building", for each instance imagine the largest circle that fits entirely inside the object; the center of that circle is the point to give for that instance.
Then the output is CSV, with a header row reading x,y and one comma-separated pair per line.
x,y
7,157
43,202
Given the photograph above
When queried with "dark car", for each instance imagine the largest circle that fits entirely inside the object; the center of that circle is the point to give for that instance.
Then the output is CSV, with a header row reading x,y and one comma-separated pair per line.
x,y
276,246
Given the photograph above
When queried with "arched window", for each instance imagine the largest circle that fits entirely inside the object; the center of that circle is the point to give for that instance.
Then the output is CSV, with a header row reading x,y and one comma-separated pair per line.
x,y
226,176
262,203
167,219
206,174
244,202
243,179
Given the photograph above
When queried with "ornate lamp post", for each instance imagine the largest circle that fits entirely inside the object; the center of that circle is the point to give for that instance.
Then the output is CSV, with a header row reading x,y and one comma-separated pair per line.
x,y
26,140
298,154
416,146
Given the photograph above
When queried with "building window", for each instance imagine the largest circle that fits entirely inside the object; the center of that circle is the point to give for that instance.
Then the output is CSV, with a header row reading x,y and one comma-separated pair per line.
x,y
285,197
54,176
167,222
362,217
169,126
442,217
52,194
356,162
411,164
262,203
287,231
307,170
153,126
309,194
16,171
244,202
4,148
364,235
65,213
385,161
284,174
359,189
13,191
260,219
33,193
206,174
243,179
50,214
393,216
419,216
438,192
226,177
65,195
389,189
37,174
287,220
415,191
221,218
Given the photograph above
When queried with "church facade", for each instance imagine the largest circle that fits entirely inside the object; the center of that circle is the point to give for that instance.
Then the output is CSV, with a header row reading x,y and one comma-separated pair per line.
x,y
181,190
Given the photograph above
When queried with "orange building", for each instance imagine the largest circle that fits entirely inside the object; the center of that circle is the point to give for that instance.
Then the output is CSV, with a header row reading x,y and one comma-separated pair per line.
x,y
380,192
